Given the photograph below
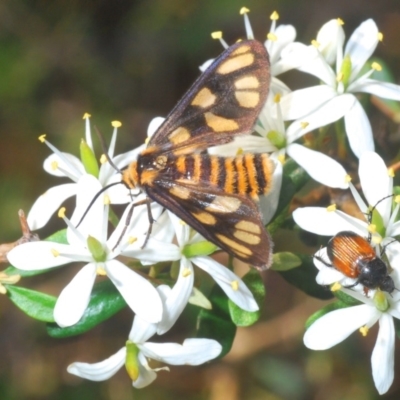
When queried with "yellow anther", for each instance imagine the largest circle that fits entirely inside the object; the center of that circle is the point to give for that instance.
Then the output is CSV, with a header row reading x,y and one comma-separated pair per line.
x,y
146,140
315,43
106,200
371,228
116,124
277,98
10,279
339,76
103,159
331,208
55,252
376,239
335,287
42,138
239,151
391,172
54,165
216,35
274,16
3,290
347,178
186,272
380,36
235,285
244,10
101,271
271,36
281,158
61,212
376,66
182,222
86,116
397,199
364,330
304,124
340,21
132,239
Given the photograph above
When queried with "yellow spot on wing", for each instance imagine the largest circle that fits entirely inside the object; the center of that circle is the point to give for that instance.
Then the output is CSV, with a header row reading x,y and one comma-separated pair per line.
x,y
205,218
180,191
235,63
224,204
247,99
247,82
241,50
204,98
179,135
220,124
235,246
248,226
247,237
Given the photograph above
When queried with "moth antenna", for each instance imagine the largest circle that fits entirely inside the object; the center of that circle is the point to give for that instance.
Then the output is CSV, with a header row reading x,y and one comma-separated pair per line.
x,y
104,148
95,198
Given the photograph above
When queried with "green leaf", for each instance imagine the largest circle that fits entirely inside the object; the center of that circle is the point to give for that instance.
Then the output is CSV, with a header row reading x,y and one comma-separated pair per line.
x,y
37,305
323,311
285,261
241,317
58,237
216,323
303,277
346,298
105,301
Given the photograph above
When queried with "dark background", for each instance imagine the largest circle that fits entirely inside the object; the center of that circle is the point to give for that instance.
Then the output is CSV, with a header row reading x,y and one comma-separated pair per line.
x,y
131,61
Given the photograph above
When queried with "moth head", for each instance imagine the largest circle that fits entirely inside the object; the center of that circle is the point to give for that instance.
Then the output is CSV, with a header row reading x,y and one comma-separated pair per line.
x,y
130,175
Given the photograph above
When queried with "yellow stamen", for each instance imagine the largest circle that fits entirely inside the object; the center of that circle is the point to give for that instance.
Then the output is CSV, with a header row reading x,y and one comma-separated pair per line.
x,y
54,165
336,286
100,270
244,10
132,239
271,36
235,285
55,252
281,158
274,16
331,208
376,66
364,330
371,228
315,43
103,159
339,77
380,36
186,272
277,98
239,151
42,138
61,212
86,116
216,35
106,200
397,199
391,172
304,124
339,21
347,178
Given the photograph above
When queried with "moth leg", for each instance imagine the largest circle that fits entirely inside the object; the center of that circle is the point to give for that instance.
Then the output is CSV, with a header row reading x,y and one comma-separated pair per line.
x,y
151,221
129,217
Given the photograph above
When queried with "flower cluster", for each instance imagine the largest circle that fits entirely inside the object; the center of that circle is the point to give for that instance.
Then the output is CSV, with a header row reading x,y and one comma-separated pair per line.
x,y
152,257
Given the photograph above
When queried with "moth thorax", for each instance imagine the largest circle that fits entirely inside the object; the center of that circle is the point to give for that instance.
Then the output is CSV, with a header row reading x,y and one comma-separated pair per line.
x,y
130,175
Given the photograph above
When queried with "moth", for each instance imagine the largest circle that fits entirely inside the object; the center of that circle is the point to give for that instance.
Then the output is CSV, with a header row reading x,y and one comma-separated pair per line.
x,y
214,195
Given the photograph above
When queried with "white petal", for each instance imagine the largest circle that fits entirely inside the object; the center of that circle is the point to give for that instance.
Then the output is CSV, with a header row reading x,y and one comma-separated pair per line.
x,y
276,85
385,90
268,204
39,255
191,352
361,44
146,374
206,64
320,167
137,291
285,34
382,359
327,113
336,326
330,37
49,202
230,283
74,299
320,221
154,124
68,165
247,143
154,251
88,186
376,183
99,371
301,102
178,298
358,130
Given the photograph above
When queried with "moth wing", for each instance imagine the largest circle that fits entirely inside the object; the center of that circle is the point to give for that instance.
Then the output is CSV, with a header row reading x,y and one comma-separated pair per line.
x,y
226,98
233,222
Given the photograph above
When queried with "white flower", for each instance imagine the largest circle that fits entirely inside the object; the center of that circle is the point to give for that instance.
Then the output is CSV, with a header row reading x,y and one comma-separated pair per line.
x,y
67,165
138,350
320,105
332,328
230,283
89,244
